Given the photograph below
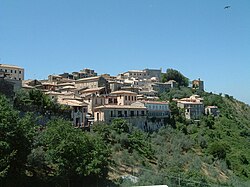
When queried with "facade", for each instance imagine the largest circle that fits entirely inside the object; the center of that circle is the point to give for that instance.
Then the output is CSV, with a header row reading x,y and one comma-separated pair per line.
x,y
193,110
157,113
155,108
114,86
212,110
85,73
12,72
124,97
198,85
78,111
92,82
133,114
9,86
142,74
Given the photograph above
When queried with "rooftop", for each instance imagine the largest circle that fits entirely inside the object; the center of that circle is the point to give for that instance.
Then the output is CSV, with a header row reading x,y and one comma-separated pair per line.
x,y
89,78
123,92
92,89
71,102
9,66
120,107
154,102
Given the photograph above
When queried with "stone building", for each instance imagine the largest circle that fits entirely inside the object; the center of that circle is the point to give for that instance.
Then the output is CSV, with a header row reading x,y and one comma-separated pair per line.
x,y
193,106
133,114
92,82
141,74
78,111
12,72
198,85
124,97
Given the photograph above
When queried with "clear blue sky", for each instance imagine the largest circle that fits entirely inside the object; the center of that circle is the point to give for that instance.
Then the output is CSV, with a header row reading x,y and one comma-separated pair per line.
x,y
197,37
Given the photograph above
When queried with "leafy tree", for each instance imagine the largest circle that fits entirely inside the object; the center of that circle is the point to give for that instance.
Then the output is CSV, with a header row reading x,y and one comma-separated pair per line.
x,y
70,153
172,74
177,93
16,136
36,101
219,150
120,125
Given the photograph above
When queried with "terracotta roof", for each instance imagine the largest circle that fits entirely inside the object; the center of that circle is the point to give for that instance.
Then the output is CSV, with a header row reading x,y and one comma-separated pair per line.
x,y
71,102
190,102
53,93
66,84
89,78
123,92
48,83
92,89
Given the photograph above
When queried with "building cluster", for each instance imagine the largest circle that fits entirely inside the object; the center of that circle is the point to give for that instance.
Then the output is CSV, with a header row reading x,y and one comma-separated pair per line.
x,y
132,95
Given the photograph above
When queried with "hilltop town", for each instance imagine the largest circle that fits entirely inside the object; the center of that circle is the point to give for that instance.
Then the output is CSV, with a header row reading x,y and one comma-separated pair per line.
x,y
139,127
132,95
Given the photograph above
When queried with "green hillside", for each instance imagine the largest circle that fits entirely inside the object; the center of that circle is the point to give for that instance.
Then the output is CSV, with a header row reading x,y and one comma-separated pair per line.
x,y
209,152
40,149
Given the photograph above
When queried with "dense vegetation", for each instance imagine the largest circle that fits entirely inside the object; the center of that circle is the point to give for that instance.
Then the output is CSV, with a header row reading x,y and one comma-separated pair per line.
x,y
209,152
172,74
54,153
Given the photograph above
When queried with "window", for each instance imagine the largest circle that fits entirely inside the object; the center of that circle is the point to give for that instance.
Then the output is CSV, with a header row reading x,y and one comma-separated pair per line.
x,y
20,72
142,113
119,113
75,109
111,113
97,116
129,98
132,98
125,97
125,113
19,78
6,70
132,113
10,71
137,113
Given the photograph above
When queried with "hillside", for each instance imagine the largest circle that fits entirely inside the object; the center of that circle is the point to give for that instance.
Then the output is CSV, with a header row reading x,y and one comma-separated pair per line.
x,y
38,149
212,151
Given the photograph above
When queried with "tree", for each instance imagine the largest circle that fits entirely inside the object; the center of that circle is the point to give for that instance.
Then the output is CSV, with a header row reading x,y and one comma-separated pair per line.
x,y
16,137
172,74
219,150
71,153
